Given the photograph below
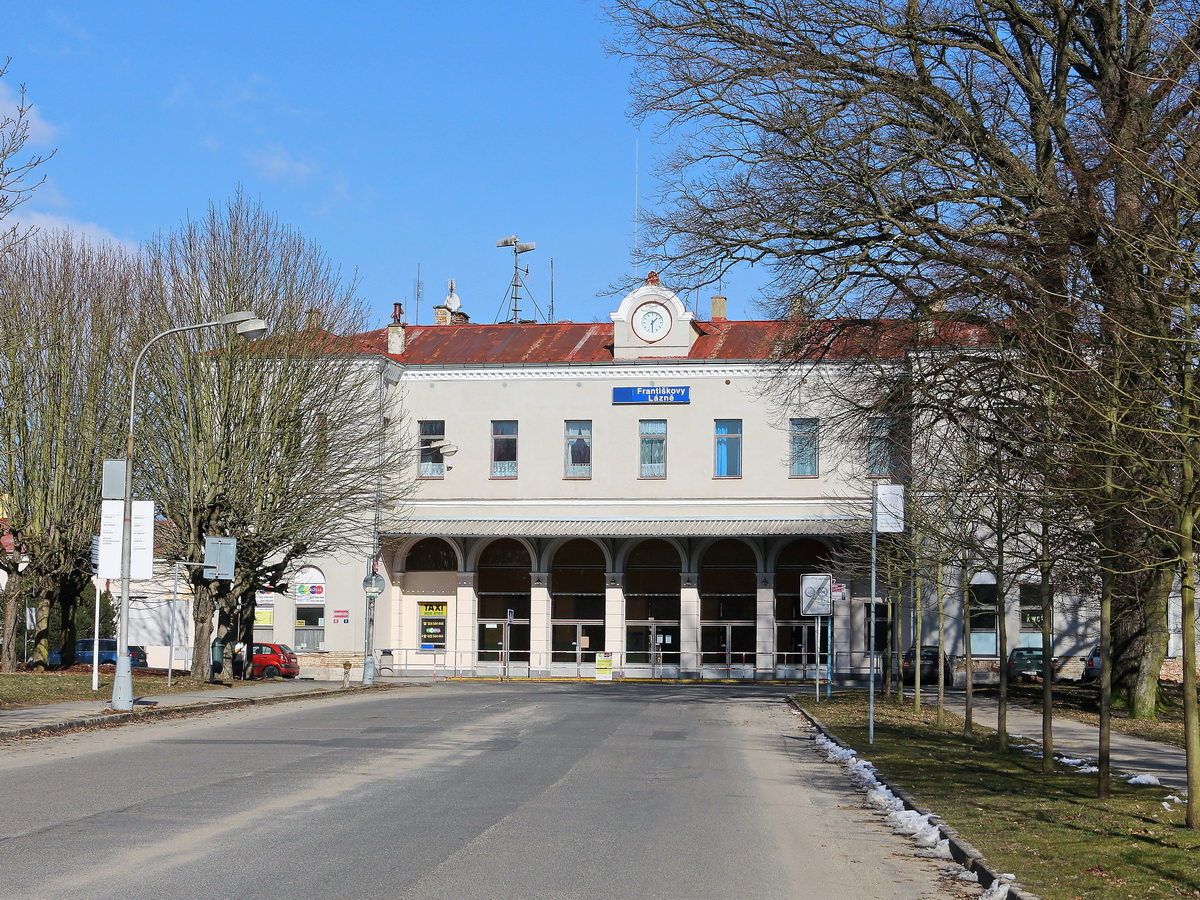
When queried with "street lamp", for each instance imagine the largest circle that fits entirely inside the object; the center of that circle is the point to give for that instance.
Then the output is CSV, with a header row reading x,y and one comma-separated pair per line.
x,y
249,327
373,586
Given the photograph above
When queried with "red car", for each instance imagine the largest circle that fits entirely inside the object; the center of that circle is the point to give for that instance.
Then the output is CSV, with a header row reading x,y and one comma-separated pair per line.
x,y
273,660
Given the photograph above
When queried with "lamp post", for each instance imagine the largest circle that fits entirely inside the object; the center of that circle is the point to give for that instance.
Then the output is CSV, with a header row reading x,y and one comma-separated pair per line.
x,y
250,328
373,586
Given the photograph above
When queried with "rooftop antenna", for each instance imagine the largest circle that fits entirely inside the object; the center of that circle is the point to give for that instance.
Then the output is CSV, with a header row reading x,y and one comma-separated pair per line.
x,y
550,316
418,291
636,246
519,247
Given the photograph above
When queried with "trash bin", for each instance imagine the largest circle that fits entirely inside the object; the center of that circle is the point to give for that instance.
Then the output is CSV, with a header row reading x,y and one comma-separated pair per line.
x,y
218,657
386,662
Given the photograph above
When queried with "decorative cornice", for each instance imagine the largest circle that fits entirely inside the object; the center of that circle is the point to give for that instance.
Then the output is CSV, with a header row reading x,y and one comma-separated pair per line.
x,y
628,368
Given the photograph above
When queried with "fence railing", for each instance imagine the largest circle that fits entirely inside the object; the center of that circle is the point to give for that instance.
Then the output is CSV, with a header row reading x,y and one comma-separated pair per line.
x,y
629,664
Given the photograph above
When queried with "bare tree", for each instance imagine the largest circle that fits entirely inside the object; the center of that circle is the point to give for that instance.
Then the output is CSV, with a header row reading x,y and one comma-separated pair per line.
x,y
1030,163
18,175
282,444
67,314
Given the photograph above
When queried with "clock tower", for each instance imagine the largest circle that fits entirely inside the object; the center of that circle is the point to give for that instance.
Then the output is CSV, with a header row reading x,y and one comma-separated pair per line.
x,y
652,322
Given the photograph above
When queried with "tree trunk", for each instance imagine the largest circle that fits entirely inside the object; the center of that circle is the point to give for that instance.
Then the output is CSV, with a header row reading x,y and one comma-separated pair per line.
x,y
13,601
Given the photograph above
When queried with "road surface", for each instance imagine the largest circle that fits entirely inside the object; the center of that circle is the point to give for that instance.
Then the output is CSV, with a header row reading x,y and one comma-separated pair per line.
x,y
452,792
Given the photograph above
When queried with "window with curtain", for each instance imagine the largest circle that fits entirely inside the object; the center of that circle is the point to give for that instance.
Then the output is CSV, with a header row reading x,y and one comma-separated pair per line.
x,y
804,447
504,449
653,459
432,464
728,459
578,449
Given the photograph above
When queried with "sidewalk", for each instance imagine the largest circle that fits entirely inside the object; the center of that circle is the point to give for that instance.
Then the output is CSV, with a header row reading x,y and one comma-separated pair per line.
x,y
1130,755
83,713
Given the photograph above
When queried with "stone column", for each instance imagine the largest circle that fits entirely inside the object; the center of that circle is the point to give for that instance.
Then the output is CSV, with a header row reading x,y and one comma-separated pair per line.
x,y
539,625
689,625
462,646
765,637
614,619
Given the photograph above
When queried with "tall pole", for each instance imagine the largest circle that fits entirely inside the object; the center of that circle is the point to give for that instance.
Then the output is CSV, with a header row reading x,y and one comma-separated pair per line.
x,y
871,688
122,695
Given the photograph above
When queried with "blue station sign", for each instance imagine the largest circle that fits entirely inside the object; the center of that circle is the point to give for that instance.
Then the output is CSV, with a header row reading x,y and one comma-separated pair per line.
x,y
652,395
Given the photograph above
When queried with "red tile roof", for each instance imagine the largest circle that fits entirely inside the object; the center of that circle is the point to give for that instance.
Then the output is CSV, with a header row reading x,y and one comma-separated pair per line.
x,y
569,342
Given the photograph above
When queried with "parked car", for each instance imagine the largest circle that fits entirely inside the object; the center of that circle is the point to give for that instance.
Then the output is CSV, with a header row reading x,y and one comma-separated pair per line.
x,y
1091,665
273,660
1025,663
108,653
929,665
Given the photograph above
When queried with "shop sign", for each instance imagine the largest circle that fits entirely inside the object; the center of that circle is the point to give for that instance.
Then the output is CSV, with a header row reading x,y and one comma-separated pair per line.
x,y
310,593
652,394
264,618
433,634
433,609
604,666
341,617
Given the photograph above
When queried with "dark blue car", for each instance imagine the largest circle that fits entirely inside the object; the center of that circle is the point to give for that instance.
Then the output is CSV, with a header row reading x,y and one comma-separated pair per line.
x,y
108,653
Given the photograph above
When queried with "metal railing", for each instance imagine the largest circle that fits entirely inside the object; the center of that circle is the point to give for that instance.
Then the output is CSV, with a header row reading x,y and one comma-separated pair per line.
x,y
438,664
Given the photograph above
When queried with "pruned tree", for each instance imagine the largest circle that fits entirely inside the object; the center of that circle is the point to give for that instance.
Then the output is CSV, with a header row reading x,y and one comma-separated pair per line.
x,y
282,444
67,314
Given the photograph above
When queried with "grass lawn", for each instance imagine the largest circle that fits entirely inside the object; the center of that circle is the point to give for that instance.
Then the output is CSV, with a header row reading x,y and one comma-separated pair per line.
x,y
1048,830
37,688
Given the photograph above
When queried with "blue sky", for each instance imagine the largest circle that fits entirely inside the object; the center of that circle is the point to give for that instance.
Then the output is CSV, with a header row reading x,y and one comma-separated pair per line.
x,y
391,134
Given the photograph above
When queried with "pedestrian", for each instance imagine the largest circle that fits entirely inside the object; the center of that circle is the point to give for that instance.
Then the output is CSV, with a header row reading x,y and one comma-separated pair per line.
x,y
239,660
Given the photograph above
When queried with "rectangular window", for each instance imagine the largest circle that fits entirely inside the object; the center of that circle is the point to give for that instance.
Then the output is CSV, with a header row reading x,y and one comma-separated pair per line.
x,y
578,449
881,455
432,464
653,449
728,460
1031,607
804,448
504,449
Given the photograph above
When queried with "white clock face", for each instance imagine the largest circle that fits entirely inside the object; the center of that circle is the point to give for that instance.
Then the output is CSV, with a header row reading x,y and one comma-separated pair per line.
x,y
651,322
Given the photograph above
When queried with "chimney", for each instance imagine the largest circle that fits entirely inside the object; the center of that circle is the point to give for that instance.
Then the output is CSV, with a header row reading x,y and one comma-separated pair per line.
x,y
718,307
449,311
395,332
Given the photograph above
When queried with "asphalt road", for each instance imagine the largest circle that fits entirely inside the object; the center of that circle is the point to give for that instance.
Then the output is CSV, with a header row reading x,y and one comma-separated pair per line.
x,y
452,791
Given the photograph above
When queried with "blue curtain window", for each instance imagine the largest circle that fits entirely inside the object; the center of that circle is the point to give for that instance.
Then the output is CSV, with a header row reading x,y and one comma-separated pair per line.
x,y
728,462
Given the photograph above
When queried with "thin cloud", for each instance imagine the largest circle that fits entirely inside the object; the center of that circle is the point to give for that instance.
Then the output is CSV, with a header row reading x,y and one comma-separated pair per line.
x,y
42,221
275,163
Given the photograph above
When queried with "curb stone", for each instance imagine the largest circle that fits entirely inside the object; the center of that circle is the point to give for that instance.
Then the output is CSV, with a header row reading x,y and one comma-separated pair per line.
x,y
105,720
964,853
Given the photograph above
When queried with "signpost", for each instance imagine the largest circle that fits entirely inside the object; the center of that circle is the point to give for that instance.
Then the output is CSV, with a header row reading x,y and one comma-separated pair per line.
x,y
887,515
816,599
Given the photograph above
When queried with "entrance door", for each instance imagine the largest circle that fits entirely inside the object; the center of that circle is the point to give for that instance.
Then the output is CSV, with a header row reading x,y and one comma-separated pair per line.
x,y
654,646
728,651
573,647
495,658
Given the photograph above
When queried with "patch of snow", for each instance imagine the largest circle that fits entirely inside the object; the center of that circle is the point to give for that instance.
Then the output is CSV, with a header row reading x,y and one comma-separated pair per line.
x,y
1144,779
